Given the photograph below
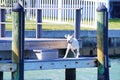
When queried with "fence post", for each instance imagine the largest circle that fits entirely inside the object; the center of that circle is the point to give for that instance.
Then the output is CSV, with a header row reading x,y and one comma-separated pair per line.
x,y
59,10
39,26
18,41
28,10
71,73
2,26
102,40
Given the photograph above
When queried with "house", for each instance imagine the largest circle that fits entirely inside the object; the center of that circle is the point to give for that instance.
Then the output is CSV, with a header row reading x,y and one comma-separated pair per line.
x,y
114,8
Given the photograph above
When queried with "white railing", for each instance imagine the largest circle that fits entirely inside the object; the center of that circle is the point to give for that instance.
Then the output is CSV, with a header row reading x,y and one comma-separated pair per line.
x,y
57,11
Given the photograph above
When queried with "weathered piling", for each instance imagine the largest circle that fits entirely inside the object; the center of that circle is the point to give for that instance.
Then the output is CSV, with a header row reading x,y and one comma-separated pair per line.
x,y
102,40
2,26
39,26
2,31
70,74
77,24
18,41
1,73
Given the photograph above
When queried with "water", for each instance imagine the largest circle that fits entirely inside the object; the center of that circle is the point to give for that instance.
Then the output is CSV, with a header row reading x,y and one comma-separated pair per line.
x,y
81,73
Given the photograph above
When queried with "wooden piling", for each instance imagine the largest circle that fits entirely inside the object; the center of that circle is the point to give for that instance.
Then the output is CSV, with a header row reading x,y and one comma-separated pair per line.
x,y
2,26
102,40
2,31
39,26
1,73
71,73
18,41
77,24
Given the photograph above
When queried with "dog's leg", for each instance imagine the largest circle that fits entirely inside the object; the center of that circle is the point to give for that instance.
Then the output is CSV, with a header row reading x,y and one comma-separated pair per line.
x,y
68,48
73,52
66,53
78,53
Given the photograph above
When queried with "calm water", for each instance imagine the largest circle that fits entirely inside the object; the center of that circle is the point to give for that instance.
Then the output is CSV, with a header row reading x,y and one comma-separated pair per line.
x,y
82,74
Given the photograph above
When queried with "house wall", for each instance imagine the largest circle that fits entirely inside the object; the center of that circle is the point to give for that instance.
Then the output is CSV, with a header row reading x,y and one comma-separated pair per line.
x,y
114,8
115,0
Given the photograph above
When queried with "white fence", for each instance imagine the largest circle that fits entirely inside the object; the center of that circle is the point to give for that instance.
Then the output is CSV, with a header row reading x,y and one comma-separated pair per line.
x,y
60,11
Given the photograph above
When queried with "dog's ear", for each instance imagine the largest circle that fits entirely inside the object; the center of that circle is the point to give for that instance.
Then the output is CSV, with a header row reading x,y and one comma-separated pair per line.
x,y
66,35
72,35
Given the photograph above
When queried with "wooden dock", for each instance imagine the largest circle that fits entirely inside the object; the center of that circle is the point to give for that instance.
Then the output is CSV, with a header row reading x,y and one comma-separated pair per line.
x,y
39,44
35,43
35,64
60,63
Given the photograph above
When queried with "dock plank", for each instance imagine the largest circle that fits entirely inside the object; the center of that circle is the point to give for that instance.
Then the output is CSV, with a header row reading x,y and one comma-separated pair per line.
x,y
35,43
60,63
7,67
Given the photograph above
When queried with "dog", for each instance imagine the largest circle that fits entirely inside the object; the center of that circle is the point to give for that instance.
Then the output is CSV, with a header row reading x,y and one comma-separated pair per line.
x,y
73,44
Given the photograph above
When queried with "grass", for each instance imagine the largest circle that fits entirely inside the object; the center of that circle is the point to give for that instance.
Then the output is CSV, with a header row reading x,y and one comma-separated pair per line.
x,y
113,24
45,26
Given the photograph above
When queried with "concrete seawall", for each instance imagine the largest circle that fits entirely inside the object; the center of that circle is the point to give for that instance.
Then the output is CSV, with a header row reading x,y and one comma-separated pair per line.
x,y
61,33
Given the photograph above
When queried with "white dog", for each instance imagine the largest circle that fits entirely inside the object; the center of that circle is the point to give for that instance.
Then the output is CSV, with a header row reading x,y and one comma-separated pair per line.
x,y
73,44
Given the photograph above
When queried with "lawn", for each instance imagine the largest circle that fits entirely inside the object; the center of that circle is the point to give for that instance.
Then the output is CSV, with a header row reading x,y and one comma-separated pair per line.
x,y
113,24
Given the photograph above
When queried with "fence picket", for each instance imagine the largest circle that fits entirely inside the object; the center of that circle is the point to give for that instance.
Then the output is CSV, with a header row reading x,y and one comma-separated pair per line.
x,y
60,15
